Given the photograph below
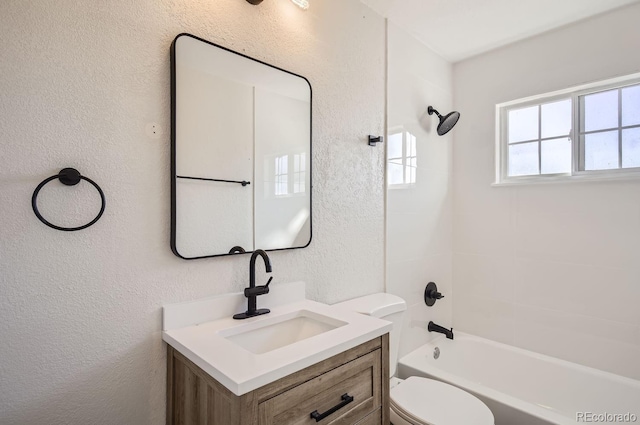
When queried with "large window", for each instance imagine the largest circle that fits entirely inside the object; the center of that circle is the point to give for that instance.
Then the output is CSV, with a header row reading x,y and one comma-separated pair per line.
x,y
592,131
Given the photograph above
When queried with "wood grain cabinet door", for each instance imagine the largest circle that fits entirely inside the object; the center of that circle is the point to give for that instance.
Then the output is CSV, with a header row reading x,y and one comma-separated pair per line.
x,y
329,396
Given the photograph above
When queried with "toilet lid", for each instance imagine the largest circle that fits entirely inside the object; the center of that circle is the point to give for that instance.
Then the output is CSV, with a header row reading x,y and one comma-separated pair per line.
x,y
427,401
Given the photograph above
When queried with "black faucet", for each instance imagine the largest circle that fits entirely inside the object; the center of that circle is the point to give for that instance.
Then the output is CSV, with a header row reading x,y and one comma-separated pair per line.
x,y
253,291
437,328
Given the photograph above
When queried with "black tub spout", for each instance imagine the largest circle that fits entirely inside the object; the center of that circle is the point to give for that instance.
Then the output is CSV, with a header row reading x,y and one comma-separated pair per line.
x,y
437,328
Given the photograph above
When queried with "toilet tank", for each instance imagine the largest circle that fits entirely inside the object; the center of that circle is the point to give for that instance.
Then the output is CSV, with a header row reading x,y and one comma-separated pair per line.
x,y
383,306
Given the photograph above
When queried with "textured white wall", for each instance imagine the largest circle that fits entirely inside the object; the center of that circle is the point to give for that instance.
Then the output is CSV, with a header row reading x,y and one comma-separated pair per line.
x,y
552,268
80,84
419,234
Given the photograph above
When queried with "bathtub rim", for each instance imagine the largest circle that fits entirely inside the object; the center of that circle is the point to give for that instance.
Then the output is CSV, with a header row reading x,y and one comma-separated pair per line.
x,y
415,361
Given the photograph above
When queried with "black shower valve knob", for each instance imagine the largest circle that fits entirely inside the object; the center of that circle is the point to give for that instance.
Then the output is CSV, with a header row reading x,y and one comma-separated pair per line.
x,y
437,295
431,294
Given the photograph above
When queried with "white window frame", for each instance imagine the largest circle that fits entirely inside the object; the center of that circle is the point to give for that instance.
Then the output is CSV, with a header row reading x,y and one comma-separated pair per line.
x,y
573,93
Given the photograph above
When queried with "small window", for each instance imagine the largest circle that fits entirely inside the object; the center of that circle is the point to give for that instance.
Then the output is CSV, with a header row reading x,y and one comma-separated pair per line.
x,y
590,131
402,159
538,139
282,175
290,174
299,172
610,129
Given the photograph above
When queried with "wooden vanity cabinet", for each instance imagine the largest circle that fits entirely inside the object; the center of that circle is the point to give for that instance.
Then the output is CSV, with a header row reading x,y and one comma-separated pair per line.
x,y
361,373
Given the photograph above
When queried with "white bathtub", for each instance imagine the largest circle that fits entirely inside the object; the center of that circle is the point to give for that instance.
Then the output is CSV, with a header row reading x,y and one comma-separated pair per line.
x,y
526,388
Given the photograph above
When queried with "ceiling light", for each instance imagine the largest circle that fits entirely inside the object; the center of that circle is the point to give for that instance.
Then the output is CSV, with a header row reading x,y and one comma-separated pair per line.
x,y
302,4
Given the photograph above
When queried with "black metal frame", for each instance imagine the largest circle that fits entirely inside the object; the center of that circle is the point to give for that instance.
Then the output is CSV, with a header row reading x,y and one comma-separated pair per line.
x,y
173,149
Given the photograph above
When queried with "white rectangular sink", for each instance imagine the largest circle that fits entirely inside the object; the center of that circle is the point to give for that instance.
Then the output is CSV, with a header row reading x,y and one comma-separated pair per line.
x,y
270,334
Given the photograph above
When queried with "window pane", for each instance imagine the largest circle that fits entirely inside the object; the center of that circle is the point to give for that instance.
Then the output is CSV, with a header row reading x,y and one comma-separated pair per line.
x,y
299,178
523,124
411,174
282,185
282,164
396,173
631,148
556,156
394,148
601,150
556,119
299,162
411,144
631,106
523,159
600,110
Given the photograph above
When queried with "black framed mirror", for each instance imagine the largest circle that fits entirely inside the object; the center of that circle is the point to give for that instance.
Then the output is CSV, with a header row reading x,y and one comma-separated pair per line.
x,y
240,153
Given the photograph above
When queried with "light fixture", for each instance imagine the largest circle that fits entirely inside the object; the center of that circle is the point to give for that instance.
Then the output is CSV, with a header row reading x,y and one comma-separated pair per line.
x,y
302,4
447,122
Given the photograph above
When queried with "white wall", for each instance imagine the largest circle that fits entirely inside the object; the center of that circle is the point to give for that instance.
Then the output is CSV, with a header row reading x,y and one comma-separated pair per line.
x,y
419,245
81,83
552,268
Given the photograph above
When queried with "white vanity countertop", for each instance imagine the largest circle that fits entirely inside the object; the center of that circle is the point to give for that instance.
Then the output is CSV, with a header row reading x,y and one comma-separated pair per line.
x,y
194,328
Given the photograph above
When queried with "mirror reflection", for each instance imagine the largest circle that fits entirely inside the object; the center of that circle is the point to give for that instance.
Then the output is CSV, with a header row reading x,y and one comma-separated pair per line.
x,y
241,153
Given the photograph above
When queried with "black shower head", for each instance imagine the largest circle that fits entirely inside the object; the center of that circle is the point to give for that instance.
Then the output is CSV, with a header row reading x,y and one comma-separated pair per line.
x,y
446,122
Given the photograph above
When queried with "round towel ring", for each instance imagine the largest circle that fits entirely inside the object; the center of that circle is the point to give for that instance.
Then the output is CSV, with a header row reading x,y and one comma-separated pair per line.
x,y
69,177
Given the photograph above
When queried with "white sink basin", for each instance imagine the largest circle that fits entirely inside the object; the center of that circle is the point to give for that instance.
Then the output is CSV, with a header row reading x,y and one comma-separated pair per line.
x,y
269,334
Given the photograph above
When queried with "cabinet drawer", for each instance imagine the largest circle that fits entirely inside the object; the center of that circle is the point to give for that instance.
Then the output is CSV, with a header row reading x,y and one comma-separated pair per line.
x,y
360,379
374,418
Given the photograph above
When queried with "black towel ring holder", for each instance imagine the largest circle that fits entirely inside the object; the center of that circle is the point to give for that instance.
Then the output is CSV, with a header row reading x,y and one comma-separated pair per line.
x,y
69,177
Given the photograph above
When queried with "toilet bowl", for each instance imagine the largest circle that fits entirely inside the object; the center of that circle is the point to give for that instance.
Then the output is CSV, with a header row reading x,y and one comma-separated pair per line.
x,y
423,401
417,400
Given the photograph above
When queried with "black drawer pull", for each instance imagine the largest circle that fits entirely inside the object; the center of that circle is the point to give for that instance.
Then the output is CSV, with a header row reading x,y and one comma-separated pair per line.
x,y
346,399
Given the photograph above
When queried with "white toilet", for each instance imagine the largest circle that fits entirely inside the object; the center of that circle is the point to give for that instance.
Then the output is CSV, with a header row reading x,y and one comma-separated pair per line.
x,y
417,400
